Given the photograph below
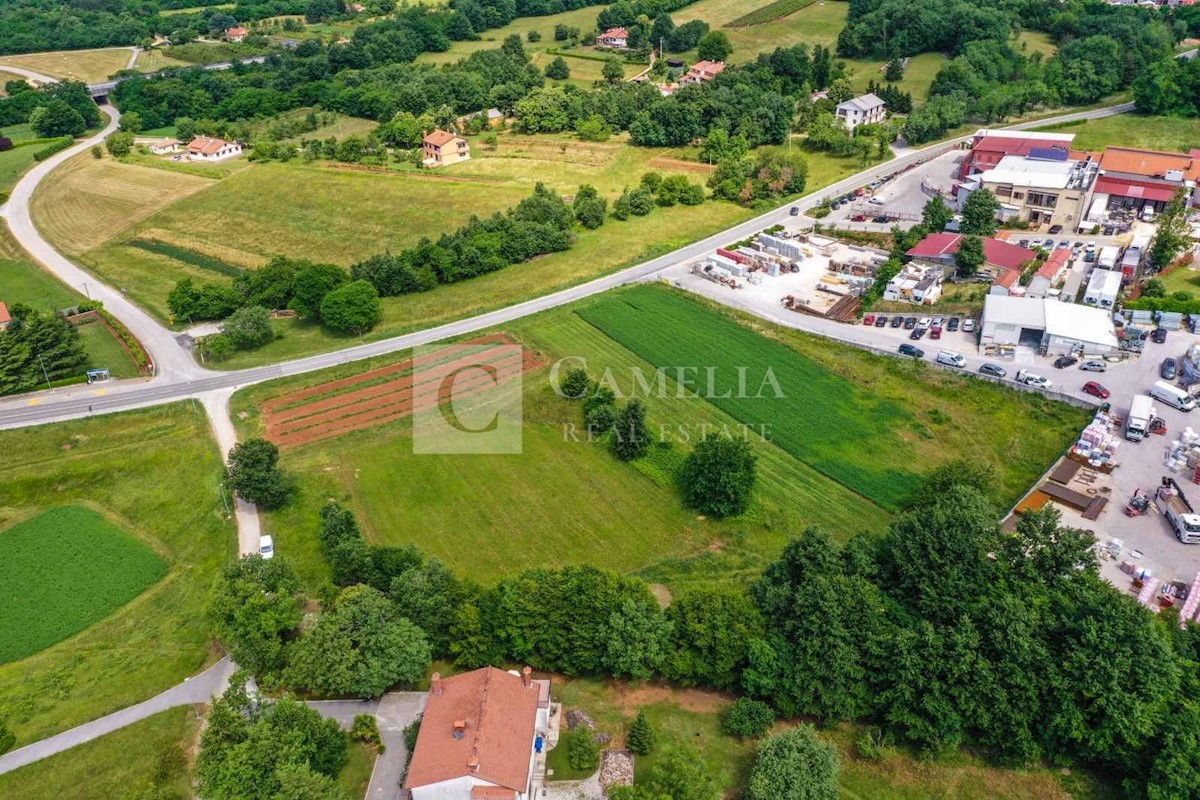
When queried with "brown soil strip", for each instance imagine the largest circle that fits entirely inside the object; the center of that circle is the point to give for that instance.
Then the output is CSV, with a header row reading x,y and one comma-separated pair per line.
x,y
664,162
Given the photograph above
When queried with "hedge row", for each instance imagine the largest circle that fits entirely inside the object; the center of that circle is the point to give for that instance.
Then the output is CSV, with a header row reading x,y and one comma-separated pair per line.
x,y
56,146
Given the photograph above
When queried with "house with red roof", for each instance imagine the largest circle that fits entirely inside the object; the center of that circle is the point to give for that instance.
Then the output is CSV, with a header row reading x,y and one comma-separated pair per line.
x,y
999,256
212,149
1134,179
614,37
5,317
441,148
236,34
702,72
483,737
1008,282
1049,273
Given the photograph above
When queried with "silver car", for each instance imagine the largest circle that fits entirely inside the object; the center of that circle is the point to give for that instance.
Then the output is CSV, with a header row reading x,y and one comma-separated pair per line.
x,y
1094,365
995,370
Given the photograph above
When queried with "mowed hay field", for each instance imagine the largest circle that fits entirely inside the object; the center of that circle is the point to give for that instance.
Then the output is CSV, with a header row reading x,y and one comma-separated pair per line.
x,y
155,475
1172,134
145,759
63,570
89,66
566,500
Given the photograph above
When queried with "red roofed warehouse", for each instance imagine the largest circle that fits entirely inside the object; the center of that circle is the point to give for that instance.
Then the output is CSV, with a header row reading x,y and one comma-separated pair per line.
x,y
442,148
1136,179
988,147
613,37
483,737
939,248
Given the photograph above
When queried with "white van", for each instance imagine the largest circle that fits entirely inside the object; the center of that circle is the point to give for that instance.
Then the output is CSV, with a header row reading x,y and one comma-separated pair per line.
x,y
1172,396
951,359
266,547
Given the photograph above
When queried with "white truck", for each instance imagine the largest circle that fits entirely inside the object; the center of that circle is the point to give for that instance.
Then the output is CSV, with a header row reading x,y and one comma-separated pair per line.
x,y
1179,513
1109,257
1033,379
1141,411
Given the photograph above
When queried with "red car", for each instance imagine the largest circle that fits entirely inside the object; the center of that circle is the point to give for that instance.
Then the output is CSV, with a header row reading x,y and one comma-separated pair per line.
x,y
1096,390
869,319
935,333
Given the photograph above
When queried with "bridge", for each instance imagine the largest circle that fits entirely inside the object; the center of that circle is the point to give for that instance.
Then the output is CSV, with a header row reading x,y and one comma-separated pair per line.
x,y
100,91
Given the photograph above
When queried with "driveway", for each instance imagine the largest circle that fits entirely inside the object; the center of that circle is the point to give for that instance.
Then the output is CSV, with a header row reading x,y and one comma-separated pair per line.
x,y
393,712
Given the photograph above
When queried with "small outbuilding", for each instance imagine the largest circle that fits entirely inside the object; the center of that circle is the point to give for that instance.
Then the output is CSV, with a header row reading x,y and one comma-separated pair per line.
x,y
237,34
166,147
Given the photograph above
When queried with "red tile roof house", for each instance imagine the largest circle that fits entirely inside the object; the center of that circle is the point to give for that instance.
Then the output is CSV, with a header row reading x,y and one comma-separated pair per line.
x,y
1049,273
999,256
613,37
4,316
1008,283
236,34
483,737
208,148
703,71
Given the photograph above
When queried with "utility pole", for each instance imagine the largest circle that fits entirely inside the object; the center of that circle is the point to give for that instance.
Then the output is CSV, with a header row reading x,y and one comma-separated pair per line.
x,y
45,374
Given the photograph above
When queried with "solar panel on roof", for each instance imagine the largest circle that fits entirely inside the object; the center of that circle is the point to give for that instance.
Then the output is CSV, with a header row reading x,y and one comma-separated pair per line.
x,y
1048,154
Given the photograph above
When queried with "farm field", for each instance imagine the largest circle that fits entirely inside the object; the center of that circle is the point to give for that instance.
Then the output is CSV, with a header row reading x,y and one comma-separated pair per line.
x,y
147,758
89,66
582,18
540,507
156,475
1176,134
691,717
154,59
63,570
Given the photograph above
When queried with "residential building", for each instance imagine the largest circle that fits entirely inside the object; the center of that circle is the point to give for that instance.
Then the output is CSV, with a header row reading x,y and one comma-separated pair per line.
x,y
702,71
1134,179
1008,283
919,284
1046,325
999,256
236,34
166,147
482,735
1045,187
1103,287
614,37
442,148
1048,274
211,149
862,110
5,317
989,146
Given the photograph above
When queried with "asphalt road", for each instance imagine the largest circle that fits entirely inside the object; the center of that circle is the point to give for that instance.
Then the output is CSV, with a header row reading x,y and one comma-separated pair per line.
x,y
179,377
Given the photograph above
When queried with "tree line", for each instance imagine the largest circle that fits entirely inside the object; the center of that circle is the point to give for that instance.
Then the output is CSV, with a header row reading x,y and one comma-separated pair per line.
x,y
38,347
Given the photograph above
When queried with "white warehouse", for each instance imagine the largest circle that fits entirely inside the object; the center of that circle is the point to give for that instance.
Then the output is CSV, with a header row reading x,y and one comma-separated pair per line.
x,y
1049,326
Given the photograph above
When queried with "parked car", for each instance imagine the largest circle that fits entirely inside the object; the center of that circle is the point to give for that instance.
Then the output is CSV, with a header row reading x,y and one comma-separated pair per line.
x,y
924,322
968,325
951,359
794,211
937,322
935,332
1062,362
897,321
1031,379
917,333
952,324
1048,244
1023,243
910,323
1096,390
869,319
266,547
1167,371
995,370
1159,336
880,321
1064,244
1090,247
859,218
881,218
837,204
876,201
911,350
1094,365
859,192
1055,229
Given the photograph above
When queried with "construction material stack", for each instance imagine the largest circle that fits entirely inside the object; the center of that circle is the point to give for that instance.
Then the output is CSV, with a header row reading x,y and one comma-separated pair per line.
x,y
1098,442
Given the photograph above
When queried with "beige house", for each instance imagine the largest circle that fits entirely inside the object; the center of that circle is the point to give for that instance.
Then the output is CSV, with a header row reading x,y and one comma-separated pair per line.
x,y
166,147
211,149
236,34
442,148
1043,188
702,72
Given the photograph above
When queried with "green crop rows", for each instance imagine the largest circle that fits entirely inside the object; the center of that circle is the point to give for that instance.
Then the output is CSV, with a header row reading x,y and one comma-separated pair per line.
x,y
834,425
769,13
63,570
190,257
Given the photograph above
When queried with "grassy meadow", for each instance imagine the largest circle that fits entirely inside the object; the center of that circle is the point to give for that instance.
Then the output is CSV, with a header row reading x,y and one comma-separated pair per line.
x,y
155,474
89,66
63,570
565,500
145,759
1173,134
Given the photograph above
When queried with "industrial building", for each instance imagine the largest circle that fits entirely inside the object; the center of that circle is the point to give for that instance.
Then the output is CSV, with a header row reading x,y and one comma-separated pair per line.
x,y
1046,187
1047,326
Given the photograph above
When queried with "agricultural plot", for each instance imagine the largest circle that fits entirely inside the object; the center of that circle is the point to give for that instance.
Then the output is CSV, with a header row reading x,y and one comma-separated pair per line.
x,y
155,473
89,66
1172,134
769,13
62,571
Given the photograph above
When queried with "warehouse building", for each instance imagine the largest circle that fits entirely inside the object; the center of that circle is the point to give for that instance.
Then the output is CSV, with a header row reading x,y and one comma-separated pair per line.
x,y
1047,326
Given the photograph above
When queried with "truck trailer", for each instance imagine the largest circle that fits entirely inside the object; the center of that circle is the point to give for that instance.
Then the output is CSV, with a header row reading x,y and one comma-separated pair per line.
x,y
1141,411
1178,511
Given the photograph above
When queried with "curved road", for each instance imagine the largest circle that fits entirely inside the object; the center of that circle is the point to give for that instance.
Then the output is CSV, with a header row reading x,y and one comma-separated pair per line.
x,y
179,377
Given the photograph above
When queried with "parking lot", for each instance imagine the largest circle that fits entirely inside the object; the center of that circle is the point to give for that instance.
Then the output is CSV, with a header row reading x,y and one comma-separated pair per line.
x,y
902,198
1148,539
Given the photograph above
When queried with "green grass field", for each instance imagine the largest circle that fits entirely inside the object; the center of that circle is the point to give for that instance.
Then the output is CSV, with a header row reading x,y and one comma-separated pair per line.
x,y
64,570
105,351
145,759
564,500
1174,134
155,473
691,718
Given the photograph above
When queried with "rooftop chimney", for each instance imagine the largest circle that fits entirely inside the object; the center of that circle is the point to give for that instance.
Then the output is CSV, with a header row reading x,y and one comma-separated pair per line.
x,y
435,684
525,677
473,764
460,724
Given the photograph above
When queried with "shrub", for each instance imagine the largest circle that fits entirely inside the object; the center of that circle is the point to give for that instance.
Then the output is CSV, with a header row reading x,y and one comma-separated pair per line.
x,y
248,328
365,729
583,753
641,735
747,718
718,477
254,473
574,384
57,146
7,739
795,764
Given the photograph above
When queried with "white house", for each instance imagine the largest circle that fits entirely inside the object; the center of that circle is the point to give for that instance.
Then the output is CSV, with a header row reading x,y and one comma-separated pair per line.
x,y
482,735
919,284
166,147
862,110
1047,325
211,149
613,37
237,34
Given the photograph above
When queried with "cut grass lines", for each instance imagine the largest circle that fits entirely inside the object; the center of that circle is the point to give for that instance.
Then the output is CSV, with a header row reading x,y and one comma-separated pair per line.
x,y
62,571
89,66
190,257
769,13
